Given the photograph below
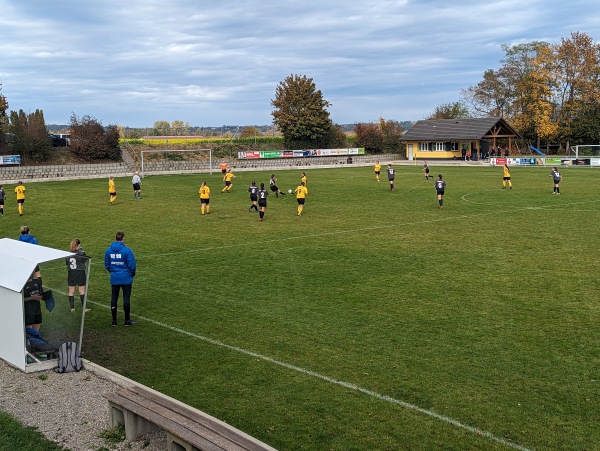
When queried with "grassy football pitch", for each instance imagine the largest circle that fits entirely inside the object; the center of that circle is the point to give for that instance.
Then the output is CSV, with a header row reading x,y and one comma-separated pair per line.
x,y
373,321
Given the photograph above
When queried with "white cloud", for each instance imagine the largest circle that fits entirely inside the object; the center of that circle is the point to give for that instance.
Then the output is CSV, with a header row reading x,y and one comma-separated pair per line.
x,y
215,63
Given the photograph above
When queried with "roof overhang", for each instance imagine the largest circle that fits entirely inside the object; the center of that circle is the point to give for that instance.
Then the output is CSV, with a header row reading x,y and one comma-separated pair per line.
x,y
19,259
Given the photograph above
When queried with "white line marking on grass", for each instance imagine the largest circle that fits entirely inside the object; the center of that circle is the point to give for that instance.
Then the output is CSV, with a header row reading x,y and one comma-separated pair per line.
x,y
331,380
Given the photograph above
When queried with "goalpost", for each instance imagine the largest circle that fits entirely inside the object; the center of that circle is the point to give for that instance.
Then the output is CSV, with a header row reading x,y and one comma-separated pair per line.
x,y
182,151
586,150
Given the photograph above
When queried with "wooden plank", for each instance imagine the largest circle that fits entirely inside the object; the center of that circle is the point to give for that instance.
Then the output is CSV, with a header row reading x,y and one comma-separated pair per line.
x,y
170,424
196,416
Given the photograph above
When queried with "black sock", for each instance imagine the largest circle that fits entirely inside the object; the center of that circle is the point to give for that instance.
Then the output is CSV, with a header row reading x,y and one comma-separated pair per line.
x,y
262,214
72,301
82,297
558,189
441,202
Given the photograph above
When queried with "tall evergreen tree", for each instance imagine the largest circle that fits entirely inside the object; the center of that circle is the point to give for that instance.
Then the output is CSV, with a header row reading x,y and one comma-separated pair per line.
x,y
31,139
3,119
300,113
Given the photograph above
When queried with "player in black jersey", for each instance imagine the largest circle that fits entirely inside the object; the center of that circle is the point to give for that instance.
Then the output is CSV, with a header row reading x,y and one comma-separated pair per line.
x,y
440,185
391,172
556,178
253,190
76,274
273,185
426,170
262,201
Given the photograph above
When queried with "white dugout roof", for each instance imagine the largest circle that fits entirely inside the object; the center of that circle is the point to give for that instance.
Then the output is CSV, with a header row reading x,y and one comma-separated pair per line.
x,y
17,262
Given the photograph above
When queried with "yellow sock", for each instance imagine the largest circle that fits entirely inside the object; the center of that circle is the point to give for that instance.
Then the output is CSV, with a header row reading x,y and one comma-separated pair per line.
x,y
20,209
202,209
208,209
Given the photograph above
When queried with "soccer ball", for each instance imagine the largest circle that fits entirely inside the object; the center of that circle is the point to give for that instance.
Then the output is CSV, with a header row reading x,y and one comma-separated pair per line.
x,y
290,191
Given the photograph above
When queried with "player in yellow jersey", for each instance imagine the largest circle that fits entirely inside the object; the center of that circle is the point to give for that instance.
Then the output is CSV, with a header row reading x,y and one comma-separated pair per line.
x,y
228,178
304,179
112,190
301,192
506,178
377,170
204,198
20,192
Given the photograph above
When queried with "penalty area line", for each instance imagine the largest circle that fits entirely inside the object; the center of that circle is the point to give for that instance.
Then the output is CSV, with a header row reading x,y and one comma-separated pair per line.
x,y
331,380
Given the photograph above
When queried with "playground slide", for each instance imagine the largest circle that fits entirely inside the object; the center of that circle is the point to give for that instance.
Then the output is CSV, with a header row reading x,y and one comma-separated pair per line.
x,y
536,150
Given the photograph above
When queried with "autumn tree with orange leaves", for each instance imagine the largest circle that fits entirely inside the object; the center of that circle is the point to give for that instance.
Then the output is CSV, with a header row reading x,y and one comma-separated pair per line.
x,y
549,92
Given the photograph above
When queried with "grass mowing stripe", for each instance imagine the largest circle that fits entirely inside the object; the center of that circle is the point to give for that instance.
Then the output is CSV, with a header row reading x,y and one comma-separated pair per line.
x,y
331,380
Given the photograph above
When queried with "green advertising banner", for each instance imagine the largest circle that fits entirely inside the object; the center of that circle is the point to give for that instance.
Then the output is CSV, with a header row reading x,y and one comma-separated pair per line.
x,y
300,153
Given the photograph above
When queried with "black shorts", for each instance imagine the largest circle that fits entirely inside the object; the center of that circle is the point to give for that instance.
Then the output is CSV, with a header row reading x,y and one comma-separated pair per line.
x,y
426,170
136,187
223,171
20,201
506,178
300,201
274,188
391,179
227,183
112,194
33,313
205,201
253,197
440,192
76,278
262,203
377,172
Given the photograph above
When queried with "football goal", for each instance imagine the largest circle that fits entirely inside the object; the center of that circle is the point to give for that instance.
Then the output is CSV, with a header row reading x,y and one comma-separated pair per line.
x,y
185,160
586,150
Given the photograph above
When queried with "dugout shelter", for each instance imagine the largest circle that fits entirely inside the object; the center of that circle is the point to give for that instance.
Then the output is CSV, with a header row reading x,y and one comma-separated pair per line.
x,y
18,261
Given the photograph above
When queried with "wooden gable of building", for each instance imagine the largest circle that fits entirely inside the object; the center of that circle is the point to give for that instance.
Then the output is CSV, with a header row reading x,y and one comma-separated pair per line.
x,y
441,130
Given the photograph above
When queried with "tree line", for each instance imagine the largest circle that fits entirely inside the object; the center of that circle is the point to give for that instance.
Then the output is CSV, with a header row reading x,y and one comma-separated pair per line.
x,y
25,134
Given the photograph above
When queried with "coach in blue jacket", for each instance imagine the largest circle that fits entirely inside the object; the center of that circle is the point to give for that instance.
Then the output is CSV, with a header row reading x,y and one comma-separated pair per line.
x,y
120,262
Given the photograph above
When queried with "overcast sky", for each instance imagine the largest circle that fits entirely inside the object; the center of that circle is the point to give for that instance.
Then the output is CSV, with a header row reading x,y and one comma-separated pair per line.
x,y
213,63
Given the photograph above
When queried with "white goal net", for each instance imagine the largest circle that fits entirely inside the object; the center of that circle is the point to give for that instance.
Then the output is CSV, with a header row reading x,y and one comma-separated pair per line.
x,y
176,161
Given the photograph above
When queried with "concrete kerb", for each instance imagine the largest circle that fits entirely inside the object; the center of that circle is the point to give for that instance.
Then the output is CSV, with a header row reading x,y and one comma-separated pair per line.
x,y
62,178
